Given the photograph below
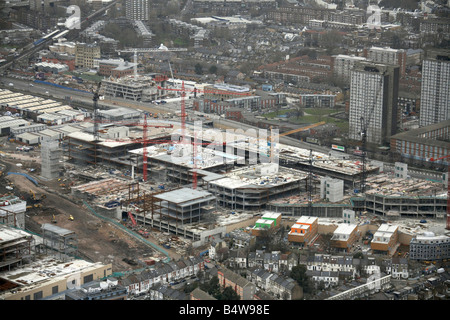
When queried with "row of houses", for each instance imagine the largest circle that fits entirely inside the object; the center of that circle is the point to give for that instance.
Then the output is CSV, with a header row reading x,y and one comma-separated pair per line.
x,y
279,286
345,265
162,274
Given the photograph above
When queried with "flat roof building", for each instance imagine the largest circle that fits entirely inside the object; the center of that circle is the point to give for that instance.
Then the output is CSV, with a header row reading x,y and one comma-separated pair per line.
x,y
385,239
304,230
344,236
429,247
49,276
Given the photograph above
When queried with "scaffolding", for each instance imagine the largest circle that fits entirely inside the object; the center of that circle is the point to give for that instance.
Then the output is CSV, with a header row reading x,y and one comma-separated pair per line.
x,y
60,242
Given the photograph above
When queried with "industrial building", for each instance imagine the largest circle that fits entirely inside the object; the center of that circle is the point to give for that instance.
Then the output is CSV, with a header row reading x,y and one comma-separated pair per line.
x,y
39,109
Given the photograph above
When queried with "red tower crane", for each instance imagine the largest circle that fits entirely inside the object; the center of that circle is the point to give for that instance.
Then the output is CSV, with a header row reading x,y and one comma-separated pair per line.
x,y
448,189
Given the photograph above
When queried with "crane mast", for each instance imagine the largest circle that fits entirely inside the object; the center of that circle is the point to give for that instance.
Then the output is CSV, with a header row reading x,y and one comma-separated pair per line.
x,y
96,118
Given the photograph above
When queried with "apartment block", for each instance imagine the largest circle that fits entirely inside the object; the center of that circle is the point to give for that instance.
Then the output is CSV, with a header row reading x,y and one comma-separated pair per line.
x,y
344,236
343,65
85,54
429,247
435,93
423,143
388,56
137,9
304,230
385,239
373,101
267,221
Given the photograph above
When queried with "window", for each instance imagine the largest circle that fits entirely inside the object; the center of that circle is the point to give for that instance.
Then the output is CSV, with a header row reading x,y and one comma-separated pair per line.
x,y
37,295
54,289
88,278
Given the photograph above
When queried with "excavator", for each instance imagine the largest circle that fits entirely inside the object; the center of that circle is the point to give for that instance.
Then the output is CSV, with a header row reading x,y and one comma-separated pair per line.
x,y
37,198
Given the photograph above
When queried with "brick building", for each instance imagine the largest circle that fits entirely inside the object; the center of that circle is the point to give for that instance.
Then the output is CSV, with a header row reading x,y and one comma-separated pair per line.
x,y
244,288
385,239
345,236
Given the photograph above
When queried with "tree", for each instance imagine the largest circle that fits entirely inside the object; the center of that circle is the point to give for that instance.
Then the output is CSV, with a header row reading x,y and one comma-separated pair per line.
x,y
198,68
229,294
212,287
298,273
213,69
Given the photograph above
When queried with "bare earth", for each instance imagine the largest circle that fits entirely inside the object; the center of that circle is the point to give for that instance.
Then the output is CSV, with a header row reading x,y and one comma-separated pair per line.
x,y
98,241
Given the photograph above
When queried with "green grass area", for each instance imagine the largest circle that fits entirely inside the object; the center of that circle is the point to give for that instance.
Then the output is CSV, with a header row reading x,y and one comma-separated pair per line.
x,y
312,116
275,114
86,77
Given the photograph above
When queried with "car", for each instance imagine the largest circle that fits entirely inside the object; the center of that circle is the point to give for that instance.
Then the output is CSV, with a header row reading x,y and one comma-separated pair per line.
x,y
11,84
31,85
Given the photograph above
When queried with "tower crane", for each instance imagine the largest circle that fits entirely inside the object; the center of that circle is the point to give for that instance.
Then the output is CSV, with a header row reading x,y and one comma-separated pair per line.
x,y
364,127
310,162
96,120
161,48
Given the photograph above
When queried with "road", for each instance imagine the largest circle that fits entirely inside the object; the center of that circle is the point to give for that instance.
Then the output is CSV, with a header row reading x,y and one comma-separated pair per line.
x,y
172,106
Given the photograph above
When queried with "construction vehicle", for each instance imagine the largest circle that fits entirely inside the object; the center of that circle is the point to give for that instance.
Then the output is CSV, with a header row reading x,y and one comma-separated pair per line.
x,y
34,197
54,219
71,217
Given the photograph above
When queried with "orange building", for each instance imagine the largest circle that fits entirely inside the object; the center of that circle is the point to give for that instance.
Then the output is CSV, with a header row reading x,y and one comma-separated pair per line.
x,y
304,230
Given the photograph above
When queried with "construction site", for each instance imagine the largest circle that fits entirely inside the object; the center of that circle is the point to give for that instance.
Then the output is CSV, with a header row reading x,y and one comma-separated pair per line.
x,y
128,188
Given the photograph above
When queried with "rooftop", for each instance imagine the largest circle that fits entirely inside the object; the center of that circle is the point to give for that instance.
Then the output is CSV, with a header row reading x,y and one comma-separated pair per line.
x,y
183,195
345,228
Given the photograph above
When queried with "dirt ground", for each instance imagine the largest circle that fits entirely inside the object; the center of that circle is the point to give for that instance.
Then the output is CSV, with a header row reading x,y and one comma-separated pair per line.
x,y
98,241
